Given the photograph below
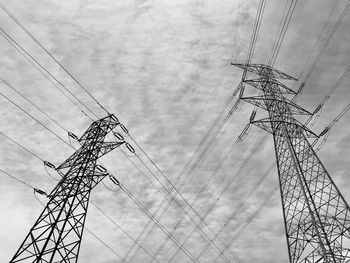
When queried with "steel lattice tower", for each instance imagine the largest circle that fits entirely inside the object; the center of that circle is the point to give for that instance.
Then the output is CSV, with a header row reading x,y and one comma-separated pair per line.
x,y
316,215
57,233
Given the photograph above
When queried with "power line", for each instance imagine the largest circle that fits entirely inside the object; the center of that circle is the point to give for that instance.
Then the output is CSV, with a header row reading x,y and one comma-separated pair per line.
x,y
33,104
36,64
17,179
35,119
21,146
15,19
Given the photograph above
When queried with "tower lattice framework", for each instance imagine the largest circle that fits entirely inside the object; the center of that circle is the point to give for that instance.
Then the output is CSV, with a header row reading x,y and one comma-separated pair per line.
x,y
316,215
56,235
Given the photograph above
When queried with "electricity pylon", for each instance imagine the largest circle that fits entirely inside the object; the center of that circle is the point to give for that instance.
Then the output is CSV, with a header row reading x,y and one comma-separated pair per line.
x,y
57,233
316,215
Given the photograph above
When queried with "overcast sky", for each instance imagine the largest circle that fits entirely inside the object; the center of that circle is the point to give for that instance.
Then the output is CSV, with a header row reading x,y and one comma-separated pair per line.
x,y
163,67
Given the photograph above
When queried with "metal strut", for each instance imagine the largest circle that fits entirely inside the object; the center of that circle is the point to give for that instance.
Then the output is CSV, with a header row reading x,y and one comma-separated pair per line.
x,y
316,215
57,233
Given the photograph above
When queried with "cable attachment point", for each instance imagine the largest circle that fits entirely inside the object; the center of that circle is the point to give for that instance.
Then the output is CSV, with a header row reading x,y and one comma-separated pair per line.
x,y
324,131
114,118
129,147
124,128
114,180
41,192
244,133
252,117
317,109
241,92
118,136
73,136
50,165
101,169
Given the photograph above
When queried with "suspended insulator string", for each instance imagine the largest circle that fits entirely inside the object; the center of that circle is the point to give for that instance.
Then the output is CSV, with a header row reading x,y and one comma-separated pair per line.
x,y
31,116
258,19
278,43
14,18
124,231
151,216
174,199
36,64
204,187
227,186
21,146
33,104
324,47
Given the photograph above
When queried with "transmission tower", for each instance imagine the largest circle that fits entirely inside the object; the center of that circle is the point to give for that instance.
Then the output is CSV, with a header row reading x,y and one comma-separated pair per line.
x,y
57,233
316,215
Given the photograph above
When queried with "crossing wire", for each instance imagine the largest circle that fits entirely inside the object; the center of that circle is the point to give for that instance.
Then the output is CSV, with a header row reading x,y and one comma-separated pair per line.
x,y
174,199
16,20
151,216
27,54
227,185
163,213
204,187
194,154
125,232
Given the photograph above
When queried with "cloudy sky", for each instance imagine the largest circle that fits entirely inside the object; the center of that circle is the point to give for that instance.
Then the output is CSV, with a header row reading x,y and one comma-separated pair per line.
x,y
163,67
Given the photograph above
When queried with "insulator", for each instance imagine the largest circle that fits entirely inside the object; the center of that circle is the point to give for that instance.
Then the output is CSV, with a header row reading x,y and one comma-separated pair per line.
x,y
324,131
252,116
114,180
101,169
124,128
241,92
114,118
237,89
130,148
73,136
301,87
41,192
48,164
244,132
317,109
118,136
